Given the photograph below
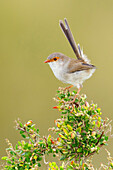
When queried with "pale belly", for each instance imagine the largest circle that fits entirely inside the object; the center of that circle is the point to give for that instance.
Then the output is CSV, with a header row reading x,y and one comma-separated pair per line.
x,y
75,79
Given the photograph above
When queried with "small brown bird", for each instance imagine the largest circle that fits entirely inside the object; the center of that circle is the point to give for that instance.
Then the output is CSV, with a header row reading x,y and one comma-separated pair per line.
x,y
70,70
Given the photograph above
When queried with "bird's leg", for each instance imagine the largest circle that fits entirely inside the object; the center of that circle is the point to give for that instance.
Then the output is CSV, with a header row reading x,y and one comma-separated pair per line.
x,y
67,88
75,96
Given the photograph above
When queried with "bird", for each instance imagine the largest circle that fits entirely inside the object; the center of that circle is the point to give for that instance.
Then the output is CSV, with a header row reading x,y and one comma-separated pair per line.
x,y
70,70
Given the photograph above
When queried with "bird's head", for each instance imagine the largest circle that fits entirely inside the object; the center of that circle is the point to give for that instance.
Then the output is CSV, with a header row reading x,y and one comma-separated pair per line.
x,y
56,59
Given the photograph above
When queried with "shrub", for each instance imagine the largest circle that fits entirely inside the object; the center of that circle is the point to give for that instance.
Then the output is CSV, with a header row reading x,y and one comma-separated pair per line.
x,y
80,133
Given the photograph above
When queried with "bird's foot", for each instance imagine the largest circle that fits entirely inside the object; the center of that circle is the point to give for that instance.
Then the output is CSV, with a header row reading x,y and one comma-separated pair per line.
x,y
72,101
67,88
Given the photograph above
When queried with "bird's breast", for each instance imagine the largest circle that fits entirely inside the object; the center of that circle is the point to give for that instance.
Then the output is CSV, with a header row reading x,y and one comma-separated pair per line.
x,y
59,71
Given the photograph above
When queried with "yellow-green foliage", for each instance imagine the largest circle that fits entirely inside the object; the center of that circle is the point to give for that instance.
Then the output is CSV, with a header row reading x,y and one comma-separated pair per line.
x,y
80,133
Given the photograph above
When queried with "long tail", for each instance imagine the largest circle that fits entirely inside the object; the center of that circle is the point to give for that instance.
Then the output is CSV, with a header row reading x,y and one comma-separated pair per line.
x,y
66,29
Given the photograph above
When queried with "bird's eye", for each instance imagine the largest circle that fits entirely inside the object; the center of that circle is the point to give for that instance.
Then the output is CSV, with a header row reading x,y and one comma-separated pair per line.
x,y
55,59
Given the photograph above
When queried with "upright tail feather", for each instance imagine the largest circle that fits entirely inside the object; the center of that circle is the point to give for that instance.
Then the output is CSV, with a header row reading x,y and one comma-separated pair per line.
x,y
66,29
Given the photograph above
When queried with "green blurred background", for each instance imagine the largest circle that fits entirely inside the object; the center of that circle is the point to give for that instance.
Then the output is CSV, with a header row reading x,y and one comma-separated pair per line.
x,y
29,32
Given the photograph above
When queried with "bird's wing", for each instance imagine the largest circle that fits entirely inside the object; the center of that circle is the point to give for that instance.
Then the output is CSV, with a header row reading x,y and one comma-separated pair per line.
x,y
66,29
79,66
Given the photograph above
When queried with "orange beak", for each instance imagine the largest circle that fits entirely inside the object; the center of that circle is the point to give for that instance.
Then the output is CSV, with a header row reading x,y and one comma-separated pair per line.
x,y
47,61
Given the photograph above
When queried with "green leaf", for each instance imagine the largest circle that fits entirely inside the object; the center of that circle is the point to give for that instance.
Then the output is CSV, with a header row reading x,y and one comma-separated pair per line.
x,y
39,158
9,162
86,152
66,99
62,136
79,149
62,158
69,127
39,165
37,130
72,157
81,162
56,150
24,136
20,124
106,138
21,132
16,147
25,146
64,112
65,131
20,144
4,158
11,152
74,92
79,124
79,130
61,96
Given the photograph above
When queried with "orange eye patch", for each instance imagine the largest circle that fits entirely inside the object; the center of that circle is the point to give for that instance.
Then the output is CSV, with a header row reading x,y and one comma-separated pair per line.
x,y
51,60
55,58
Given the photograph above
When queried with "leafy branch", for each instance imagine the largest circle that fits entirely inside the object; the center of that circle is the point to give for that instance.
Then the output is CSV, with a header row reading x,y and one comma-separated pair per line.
x,y
80,133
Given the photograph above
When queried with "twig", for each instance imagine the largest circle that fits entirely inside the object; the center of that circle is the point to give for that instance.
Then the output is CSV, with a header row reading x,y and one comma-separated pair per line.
x,y
100,138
